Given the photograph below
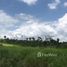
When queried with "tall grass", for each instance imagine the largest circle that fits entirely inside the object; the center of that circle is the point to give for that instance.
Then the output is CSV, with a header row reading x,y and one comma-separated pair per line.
x,y
17,56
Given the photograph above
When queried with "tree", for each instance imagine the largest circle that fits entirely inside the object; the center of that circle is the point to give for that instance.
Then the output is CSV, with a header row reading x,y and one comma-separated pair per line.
x,y
39,39
29,38
58,40
33,38
4,37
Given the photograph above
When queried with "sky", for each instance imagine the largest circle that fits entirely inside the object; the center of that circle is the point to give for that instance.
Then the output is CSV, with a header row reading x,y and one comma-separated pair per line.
x,y
36,18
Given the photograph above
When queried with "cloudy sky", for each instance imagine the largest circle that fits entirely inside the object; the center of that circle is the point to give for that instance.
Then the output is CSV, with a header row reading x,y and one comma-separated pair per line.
x,y
33,18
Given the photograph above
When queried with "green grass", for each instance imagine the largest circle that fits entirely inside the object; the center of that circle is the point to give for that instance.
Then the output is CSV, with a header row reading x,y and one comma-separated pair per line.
x,y
17,56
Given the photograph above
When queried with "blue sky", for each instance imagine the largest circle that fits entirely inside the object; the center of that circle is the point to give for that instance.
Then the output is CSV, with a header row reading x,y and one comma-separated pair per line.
x,y
40,9
19,15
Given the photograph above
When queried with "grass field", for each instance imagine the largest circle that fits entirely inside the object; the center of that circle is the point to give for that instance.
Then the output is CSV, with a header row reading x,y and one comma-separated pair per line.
x,y
17,56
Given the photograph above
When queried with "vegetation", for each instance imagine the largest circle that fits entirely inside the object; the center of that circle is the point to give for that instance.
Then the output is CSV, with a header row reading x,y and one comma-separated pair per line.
x,y
32,53
18,56
32,42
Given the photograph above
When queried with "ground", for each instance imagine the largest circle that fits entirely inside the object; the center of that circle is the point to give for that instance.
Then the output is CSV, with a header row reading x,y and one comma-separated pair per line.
x,y
18,56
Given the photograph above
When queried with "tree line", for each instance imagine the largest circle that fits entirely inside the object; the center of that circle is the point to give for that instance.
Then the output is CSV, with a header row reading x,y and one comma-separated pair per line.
x,y
31,41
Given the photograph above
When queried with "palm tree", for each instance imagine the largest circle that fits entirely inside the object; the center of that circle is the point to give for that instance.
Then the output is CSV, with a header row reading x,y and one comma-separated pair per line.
x,y
39,39
33,38
57,40
27,39
30,38
4,37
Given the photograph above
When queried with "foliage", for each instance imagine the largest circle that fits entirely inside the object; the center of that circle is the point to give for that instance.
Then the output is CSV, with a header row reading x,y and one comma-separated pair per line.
x,y
18,56
32,42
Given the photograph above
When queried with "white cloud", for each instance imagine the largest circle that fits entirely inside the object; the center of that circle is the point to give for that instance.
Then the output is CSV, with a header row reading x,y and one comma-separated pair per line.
x,y
6,19
65,4
6,22
29,2
23,16
62,28
34,27
54,4
63,21
30,26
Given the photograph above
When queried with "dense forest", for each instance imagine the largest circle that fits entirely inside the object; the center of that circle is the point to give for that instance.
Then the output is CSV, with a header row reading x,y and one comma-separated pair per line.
x,y
31,41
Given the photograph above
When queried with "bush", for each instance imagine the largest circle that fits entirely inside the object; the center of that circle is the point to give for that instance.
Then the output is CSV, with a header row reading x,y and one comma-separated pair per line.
x,y
1,44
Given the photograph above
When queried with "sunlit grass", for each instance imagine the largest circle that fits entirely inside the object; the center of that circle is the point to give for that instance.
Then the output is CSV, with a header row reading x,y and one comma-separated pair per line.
x,y
8,45
18,56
